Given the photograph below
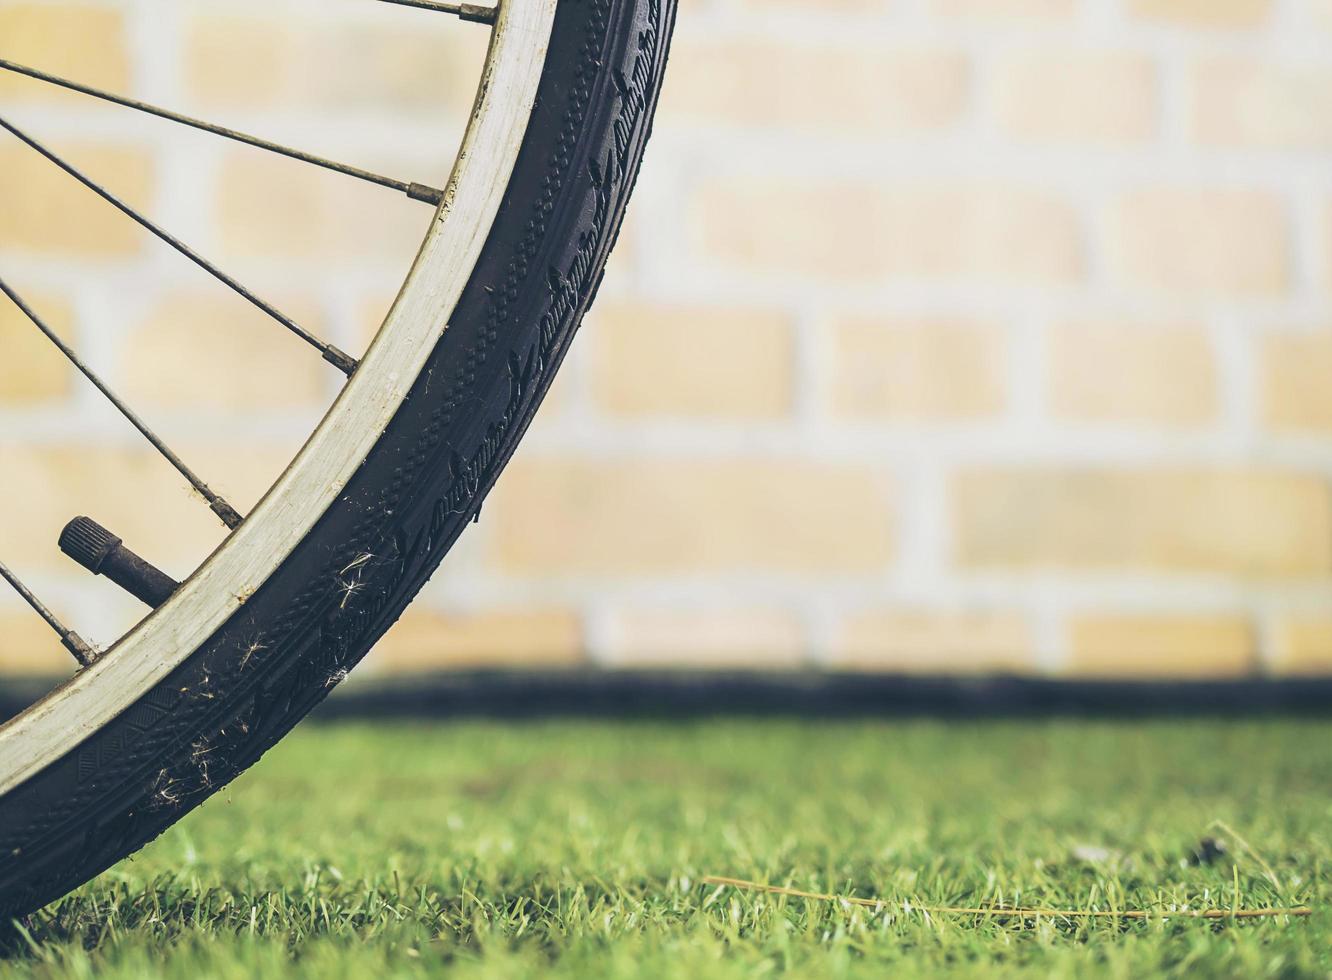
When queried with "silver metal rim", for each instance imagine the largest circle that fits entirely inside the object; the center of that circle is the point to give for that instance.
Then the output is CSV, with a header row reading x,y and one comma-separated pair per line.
x,y
249,557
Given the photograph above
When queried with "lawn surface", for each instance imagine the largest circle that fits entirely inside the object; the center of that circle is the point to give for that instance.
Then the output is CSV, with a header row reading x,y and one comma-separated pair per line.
x,y
575,850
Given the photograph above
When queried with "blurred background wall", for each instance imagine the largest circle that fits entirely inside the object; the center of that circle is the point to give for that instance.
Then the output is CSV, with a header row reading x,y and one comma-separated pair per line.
x,y
945,335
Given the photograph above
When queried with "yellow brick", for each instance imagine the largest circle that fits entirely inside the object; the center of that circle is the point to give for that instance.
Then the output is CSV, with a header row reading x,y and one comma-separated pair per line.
x,y
1020,10
1302,646
689,361
841,232
201,351
75,40
29,647
1224,14
936,370
427,640
31,369
269,62
729,639
905,641
418,69
1231,522
754,83
272,208
132,491
1295,374
793,228
1320,11
1162,647
1083,96
54,215
1245,102
239,61
1120,372
690,516
1223,243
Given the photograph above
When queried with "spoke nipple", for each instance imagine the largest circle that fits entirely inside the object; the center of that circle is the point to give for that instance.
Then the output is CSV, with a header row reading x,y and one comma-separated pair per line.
x,y
478,13
102,553
82,650
426,194
224,510
341,360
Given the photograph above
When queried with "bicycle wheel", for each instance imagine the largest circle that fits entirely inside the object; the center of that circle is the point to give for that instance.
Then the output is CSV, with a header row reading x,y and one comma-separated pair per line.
x,y
325,563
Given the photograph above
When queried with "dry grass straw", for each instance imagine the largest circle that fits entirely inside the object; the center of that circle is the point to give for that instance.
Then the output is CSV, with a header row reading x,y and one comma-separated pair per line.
x,y
1000,911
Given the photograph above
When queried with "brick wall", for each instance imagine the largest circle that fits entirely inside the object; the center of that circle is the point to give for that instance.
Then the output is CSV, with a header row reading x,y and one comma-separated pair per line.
x,y
945,334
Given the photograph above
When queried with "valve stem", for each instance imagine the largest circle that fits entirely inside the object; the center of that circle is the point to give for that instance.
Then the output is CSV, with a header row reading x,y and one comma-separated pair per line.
x,y
102,553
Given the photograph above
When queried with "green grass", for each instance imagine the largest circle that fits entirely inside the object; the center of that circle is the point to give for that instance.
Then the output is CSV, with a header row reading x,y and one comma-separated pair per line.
x,y
576,849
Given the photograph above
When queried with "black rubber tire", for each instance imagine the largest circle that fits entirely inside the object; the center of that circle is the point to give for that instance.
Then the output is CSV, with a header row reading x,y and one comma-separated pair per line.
x,y
424,481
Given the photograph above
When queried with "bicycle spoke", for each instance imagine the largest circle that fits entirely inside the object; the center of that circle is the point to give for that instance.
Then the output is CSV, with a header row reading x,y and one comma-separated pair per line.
x,y
474,12
82,650
339,359
216,504
417,192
